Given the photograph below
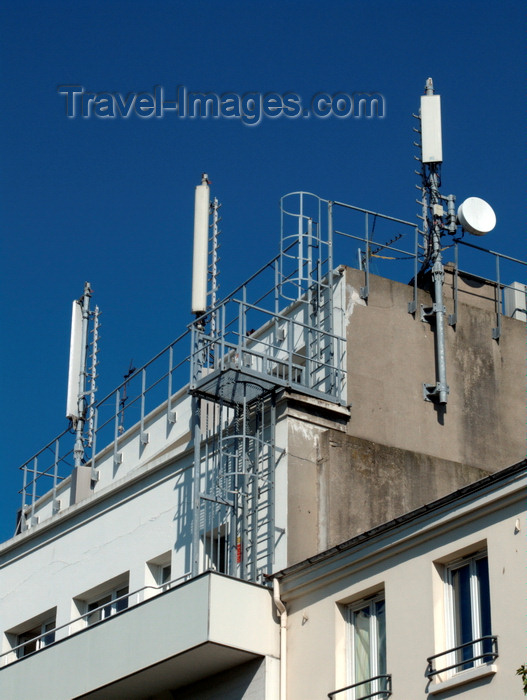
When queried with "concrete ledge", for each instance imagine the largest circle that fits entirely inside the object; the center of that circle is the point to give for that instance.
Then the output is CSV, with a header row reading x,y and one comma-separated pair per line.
x,y
473,674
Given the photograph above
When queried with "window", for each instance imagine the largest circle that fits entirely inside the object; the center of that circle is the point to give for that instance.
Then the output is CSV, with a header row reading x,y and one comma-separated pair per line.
x,y
165,576
468,609
107,605
100,602
158,574
36,638
368,649
32,635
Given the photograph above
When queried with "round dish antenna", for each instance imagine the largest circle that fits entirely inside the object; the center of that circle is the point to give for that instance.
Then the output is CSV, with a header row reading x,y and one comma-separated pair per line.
x,y
476,216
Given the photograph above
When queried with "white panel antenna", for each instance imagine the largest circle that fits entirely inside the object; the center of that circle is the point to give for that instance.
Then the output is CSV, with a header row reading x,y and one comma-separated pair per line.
x,y
72,401
431,139
201,247
515,301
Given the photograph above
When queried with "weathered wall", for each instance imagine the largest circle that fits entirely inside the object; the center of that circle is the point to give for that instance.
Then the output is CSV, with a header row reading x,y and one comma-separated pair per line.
x,y
363,484
391,354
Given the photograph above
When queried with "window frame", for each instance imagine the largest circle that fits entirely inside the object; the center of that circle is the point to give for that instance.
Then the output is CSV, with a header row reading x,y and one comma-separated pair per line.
x,y
45,635
453,623
107,604
374,653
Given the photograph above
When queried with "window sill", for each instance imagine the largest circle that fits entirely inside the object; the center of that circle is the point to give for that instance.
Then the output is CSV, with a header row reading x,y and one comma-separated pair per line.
x,y
463,677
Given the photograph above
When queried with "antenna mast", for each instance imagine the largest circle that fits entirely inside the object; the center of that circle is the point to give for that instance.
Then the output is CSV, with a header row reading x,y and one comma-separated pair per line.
x,y
433,226
80,402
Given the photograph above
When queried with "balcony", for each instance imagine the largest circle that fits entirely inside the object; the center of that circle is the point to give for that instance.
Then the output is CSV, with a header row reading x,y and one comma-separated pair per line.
x,y
207,625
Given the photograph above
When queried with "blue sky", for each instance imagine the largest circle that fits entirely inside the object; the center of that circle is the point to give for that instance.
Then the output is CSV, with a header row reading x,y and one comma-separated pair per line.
x,y
111,200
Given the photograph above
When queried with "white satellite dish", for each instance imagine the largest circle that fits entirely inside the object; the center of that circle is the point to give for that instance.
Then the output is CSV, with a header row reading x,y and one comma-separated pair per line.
x,y
476,216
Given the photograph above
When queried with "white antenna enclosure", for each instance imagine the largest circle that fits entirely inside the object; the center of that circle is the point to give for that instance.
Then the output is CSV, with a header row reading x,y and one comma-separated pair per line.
x,y
201,247
431,138
72,400
476,216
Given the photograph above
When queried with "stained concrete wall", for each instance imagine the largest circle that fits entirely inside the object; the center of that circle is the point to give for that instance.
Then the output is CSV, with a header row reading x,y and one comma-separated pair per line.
x,y
390,354
395,451
362,484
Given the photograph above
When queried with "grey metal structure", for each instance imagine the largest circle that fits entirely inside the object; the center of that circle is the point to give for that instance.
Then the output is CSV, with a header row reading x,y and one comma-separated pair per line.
x,y
246,349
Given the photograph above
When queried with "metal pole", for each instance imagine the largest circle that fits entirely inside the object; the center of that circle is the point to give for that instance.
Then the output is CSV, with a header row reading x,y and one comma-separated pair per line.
x,y
438,276
196,486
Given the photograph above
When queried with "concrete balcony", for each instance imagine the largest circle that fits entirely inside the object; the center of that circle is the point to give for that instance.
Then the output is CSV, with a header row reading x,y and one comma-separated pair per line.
x,y
203,627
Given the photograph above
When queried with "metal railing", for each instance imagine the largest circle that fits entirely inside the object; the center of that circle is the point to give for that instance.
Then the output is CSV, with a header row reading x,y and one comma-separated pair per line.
x,y
276,351
149,387
127,598
383,680
482,655
501,265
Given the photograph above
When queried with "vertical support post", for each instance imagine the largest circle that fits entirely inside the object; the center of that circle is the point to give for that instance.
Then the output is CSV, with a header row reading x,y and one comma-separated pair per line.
x,y
54,503
438,276
116,455
452,319
290,345
412,305
222,334
496,332
169,389
143,436
276,287
240,332
272,487
94,473
300,247
23,520
331,311
244,489
196,500
34,489
365,291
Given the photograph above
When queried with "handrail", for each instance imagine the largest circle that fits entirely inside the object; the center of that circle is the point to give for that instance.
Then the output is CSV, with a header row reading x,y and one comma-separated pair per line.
x,y
431,671
161,588
386,692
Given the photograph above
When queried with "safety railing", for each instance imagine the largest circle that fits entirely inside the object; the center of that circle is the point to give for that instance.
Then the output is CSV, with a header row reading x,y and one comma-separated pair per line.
x,y
495,268
477,652
376,687
278,351
80,623
151,386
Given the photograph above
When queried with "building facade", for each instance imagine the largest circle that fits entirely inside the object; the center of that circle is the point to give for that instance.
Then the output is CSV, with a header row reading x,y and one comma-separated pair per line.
x,y
429,604
145,571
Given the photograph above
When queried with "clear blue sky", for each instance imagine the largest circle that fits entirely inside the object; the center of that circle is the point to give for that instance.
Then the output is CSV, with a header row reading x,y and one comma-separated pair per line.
x,y
111,201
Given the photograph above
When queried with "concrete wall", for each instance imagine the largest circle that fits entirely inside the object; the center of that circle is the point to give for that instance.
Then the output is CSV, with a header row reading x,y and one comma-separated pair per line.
x,y
340,485
363,484
391,354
